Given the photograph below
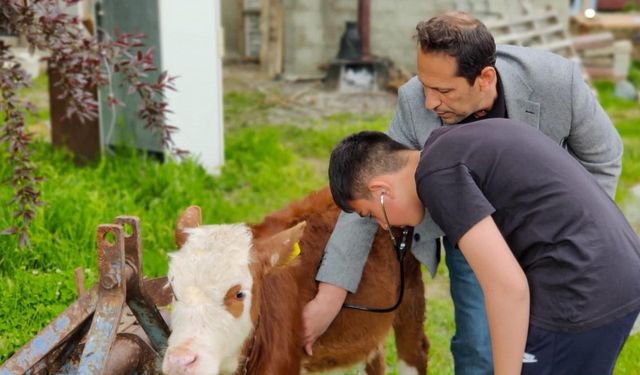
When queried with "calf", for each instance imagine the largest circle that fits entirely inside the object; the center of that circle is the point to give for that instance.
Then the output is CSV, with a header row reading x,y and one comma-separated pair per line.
x,y
238,298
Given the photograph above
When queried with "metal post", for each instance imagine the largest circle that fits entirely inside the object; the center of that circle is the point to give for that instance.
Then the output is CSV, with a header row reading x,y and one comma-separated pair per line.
x,y
139,302
112,294
364,9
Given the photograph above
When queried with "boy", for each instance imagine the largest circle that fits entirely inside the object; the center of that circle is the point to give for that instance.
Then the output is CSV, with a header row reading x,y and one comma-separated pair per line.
x,y
558,263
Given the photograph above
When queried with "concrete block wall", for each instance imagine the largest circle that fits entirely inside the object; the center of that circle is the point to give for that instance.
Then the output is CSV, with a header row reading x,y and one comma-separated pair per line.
x,y
393,25
231,24
312,29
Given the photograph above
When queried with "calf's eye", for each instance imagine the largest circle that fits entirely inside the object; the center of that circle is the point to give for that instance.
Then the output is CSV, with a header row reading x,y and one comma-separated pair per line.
x,y
234,300
240,295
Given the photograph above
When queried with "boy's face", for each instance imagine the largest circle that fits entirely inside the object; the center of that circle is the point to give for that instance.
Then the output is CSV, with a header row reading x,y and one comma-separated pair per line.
x,y
401,209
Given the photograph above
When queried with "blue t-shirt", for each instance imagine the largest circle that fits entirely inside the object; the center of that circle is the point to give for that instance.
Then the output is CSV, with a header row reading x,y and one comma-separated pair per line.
x,y
580,255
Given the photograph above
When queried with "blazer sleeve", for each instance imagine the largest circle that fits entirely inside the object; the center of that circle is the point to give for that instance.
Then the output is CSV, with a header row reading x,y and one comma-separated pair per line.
x,y
593,139
348,248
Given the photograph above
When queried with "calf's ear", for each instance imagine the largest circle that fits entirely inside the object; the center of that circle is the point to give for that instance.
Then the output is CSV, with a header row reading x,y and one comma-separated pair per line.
x,y
190,218
277,250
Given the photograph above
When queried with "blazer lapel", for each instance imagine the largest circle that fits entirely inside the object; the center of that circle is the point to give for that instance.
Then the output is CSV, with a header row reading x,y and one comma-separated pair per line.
x,y
517,93
526,111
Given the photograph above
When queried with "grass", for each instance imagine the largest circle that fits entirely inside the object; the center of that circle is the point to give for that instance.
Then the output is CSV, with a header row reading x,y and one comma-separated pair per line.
x,y
267,165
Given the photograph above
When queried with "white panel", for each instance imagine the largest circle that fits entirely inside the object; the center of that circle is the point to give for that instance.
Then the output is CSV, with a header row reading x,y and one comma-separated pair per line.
x,y
191,37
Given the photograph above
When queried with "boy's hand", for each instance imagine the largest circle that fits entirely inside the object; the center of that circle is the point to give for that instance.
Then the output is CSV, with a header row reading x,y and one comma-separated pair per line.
x,y
320,312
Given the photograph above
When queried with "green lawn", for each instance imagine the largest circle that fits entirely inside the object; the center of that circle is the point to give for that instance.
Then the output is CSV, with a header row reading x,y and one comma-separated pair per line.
x,y
267,165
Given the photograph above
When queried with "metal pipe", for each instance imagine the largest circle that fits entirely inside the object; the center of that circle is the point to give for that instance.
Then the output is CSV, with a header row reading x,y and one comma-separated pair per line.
x,y
140,304
364,10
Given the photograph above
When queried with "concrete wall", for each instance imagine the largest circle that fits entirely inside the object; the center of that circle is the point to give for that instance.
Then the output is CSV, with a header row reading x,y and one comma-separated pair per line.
x,y
312,29
393,24
231,24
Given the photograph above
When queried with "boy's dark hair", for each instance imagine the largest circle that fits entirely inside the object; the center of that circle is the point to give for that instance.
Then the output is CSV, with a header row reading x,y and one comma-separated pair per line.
x,y
461,36
358,158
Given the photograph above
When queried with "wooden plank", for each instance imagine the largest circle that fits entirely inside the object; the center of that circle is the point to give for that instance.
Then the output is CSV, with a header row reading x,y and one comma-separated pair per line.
x,y
610,21
586,41
527,35
272,43
520,20
598,52
557,45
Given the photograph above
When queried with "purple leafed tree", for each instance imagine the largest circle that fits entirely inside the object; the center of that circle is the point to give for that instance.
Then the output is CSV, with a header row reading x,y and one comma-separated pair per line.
x,y
81,61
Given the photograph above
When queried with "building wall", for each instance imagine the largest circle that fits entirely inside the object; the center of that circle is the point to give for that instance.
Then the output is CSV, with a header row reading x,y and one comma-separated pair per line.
x,y
312,29
231,25
393,26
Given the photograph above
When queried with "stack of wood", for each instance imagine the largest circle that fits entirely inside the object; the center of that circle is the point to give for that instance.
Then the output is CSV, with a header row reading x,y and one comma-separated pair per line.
x,y
543,30
600,54
603,56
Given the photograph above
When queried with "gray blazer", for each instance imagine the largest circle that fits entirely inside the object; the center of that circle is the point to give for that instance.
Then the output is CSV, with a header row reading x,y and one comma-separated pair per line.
x,y
541,89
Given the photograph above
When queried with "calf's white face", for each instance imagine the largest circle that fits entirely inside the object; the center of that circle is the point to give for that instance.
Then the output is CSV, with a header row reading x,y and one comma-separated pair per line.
x,y
211,282
212,285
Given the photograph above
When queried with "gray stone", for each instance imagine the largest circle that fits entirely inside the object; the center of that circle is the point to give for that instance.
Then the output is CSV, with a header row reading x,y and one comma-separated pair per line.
x,y
625,89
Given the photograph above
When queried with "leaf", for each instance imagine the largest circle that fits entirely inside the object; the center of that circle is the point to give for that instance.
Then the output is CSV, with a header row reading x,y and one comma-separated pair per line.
x,y
24,239
9,231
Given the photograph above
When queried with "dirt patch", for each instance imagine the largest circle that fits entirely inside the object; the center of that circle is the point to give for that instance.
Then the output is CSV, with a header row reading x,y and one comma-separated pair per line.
x,y
302,100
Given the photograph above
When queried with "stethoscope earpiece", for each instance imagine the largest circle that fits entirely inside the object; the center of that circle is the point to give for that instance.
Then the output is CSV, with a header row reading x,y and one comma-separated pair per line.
x,y
386,219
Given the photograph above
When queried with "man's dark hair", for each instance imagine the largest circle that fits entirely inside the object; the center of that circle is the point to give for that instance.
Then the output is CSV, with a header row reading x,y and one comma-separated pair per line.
x,y
358,158
461,36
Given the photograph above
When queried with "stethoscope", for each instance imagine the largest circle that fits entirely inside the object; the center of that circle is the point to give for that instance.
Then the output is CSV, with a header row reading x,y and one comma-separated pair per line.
x,y
401,251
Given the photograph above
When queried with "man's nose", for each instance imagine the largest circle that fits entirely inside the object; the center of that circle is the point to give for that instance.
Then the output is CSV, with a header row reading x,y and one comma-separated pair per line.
x,y
431,100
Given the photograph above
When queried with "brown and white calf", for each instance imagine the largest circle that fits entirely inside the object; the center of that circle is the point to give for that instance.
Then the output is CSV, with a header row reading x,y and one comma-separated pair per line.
x,y
238,298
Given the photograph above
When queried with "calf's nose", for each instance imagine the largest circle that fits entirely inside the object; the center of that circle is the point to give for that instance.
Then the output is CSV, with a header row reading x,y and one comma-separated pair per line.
x,y
180,361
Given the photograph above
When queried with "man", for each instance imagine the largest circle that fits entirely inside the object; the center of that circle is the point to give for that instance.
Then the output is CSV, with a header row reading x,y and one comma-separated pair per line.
x,y
462,78
558,263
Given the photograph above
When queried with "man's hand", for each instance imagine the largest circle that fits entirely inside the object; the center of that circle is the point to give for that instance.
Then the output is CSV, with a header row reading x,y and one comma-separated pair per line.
x,y
320,312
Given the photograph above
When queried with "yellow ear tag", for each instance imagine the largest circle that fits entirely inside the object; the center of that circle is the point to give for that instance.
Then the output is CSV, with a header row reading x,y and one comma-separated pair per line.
x,y
294,254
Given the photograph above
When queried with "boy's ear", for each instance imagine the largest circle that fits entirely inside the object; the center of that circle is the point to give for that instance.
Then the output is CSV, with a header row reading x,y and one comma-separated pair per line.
x,y
379,184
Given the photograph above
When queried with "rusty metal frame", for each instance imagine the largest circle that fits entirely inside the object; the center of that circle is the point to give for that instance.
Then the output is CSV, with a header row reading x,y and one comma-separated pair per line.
x,y
139,302
88,338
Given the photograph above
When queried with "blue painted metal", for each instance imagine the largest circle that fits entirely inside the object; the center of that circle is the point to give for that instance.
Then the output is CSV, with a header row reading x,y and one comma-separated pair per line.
x,y
68,368
29,358
112,295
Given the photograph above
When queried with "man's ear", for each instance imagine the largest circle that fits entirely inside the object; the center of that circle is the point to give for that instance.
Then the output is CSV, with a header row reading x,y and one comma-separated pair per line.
x,y
277,250
487,78
377,185
190,218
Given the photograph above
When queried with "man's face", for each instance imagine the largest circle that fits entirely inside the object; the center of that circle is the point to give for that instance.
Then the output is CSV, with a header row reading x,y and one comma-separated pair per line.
x,y
447,94
400,211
